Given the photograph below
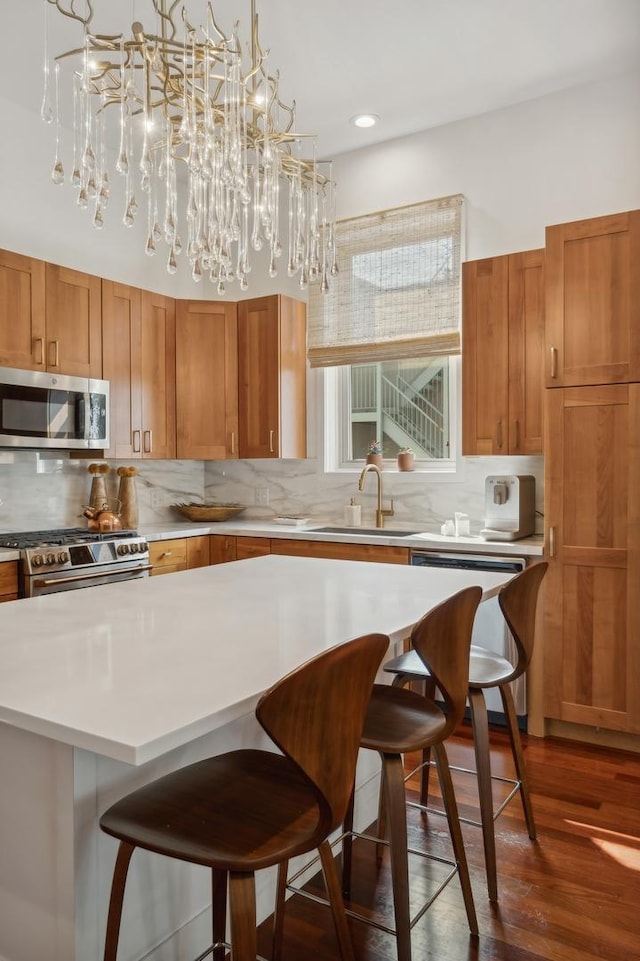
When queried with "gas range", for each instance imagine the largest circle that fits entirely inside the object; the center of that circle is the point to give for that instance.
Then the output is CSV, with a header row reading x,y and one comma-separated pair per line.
x,y
71,558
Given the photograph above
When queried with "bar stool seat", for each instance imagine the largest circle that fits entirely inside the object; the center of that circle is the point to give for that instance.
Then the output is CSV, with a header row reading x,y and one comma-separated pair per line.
x,y
249,809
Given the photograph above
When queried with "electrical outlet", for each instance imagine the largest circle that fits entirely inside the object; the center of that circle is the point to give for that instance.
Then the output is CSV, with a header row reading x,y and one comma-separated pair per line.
x,y
262,496
157,499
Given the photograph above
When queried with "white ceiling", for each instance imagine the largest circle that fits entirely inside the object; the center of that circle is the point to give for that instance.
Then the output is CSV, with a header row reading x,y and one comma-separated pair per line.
x,y
415,63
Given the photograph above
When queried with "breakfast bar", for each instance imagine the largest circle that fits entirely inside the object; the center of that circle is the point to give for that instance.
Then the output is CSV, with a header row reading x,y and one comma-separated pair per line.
x,y
102,691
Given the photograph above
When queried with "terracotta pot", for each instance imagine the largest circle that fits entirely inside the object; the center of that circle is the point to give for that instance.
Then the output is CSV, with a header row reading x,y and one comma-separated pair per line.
x,y
375,459
406,461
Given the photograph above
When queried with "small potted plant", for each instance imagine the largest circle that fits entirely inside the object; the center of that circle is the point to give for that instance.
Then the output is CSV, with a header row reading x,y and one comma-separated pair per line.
x,y
374,453
406,458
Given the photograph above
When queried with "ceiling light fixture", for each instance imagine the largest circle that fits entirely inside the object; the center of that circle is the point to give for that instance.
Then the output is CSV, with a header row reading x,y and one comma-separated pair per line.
x,y
187,95
365,120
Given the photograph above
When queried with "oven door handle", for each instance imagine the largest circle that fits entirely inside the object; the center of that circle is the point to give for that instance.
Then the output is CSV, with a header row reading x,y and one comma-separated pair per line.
x,y
92,575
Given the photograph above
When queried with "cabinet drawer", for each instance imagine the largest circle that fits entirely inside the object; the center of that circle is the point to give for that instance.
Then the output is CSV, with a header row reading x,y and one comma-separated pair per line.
x,y
166,557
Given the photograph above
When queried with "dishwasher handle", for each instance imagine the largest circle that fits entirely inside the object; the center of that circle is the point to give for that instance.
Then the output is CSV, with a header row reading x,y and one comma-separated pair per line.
x,y
467,562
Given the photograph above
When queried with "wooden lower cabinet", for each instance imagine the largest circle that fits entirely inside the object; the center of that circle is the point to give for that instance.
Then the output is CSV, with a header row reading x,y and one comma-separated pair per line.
x,y
178,554
252,547
8,581
592,595
341,552
229,548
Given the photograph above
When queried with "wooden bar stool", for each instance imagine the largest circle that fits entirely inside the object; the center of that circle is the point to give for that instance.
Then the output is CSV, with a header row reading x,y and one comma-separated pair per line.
x,y
518,601
250,809
398,721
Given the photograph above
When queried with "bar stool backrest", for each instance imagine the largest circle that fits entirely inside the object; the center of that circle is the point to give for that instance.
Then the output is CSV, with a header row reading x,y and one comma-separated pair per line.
x,y
518,601
442,639
316,714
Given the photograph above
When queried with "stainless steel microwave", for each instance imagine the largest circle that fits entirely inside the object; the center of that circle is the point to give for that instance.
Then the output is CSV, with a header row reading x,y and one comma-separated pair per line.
x,y
39,409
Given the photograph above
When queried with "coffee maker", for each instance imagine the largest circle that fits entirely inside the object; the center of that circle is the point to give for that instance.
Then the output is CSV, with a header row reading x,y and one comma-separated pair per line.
x,y
510,507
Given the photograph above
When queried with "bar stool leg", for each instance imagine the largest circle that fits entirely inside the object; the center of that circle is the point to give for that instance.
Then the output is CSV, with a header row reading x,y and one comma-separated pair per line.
x,y
278,916
347,847
242,911
451,808
480,725
332,881
395,805
123,859
518,759
218,911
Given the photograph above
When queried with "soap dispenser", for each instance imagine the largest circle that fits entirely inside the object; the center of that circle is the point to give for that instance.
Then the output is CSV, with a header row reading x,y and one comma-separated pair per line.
x,y
353,514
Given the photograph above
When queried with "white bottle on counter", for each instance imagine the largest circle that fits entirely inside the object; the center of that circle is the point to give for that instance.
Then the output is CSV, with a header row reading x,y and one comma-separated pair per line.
x,y
353,514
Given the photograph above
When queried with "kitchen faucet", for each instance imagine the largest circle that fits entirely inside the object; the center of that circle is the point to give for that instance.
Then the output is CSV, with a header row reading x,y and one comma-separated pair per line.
x,y
381,512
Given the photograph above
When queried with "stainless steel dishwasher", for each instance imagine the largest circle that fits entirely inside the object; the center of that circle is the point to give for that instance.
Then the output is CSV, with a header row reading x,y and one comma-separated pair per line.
x,y
489,630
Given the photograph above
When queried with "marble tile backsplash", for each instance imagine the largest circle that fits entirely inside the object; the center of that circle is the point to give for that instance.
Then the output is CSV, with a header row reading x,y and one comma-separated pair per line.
x,y
41,490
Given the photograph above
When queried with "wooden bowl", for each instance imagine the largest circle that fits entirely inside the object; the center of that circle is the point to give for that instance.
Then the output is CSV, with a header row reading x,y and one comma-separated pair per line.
x,y
208,512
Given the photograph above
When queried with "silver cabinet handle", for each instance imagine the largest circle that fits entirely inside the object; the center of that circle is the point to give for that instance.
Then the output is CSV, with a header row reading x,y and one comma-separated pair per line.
x,y
554,363
55,344
552,542
39,344
136,442
271,448
233,441
148,441
499,435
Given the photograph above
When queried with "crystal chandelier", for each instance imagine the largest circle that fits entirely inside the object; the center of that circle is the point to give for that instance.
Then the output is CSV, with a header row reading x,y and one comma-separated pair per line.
x,y
189,96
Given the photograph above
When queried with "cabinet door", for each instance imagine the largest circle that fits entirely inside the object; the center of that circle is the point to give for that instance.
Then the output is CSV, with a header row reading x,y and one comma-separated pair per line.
x,y
22,311
73,322
206,380
380,553
197,552
121,307
485,356
157,376
252,547
593,301
526,350
222,548
272,403
592,603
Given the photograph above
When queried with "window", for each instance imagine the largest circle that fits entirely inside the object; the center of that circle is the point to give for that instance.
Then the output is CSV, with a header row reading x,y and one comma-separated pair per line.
x,y
406,403
387,331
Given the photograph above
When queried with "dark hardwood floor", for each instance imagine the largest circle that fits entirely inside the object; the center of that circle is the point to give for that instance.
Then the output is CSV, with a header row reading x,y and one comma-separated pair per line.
x,y
571,895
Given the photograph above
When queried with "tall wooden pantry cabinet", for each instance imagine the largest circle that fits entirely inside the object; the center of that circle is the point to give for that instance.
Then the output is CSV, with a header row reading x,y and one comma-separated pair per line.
x,y
592,473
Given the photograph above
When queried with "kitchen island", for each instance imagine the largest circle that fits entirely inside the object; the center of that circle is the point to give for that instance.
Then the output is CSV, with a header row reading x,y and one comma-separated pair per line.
x,y
103,690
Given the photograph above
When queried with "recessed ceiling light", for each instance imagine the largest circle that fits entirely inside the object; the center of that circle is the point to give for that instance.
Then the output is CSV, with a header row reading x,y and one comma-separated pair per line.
x,y
365,120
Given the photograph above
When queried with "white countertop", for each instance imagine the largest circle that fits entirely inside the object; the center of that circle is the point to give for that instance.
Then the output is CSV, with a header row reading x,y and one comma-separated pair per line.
x,y
132,670
528,546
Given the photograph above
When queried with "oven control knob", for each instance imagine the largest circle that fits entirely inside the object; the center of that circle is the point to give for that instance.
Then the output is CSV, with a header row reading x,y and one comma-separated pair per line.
x,y
51,558
123,549
37,560
63,557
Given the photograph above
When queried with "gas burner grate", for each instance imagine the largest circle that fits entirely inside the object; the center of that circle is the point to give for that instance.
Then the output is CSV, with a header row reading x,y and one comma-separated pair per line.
x,y
21,540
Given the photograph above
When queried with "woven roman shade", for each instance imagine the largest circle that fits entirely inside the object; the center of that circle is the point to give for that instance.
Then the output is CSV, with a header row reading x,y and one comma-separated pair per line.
x,y
397,294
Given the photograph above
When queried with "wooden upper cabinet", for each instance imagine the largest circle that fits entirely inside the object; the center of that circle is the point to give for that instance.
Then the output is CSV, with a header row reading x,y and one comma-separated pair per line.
x,y
272,370
593,301
592,521
50,317
73,339
139,362
207,380
502,354
157,366
22,311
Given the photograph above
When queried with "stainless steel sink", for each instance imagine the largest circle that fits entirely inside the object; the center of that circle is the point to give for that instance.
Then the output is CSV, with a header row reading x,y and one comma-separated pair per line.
x,y
376,531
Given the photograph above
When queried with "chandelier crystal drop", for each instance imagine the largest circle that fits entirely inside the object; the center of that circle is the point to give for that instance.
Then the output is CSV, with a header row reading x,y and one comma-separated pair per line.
x,y
190,99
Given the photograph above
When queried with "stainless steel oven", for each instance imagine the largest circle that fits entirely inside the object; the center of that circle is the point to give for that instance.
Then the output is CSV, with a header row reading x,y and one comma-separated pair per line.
x,y
74,558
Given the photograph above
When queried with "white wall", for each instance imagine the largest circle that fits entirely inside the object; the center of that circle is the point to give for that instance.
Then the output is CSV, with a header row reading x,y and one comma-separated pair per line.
x,y
563,157
560,158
